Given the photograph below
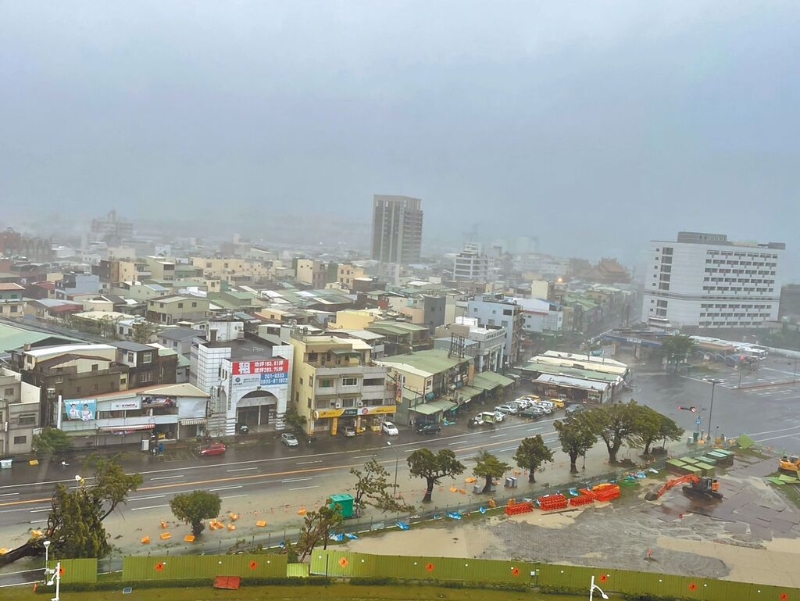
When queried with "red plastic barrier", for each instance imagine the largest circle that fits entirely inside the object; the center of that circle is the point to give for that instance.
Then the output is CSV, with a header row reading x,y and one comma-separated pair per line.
x,y
519,508
581,501
553,502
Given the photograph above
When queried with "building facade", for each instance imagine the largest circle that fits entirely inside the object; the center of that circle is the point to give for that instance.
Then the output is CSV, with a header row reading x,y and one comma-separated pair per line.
x,y
497,310
471,265
705,281
336,385
396,229
19,413
12,303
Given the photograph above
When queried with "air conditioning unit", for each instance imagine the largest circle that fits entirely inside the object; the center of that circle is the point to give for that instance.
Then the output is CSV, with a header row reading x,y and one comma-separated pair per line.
x,y
338,405
359,403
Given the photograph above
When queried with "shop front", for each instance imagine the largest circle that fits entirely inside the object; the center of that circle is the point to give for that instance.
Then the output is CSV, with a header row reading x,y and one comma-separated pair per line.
x,y
361,419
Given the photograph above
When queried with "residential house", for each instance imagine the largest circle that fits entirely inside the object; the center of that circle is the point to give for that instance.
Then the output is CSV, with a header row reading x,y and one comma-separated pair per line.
x,y
401,337
178,339
486,346
497,310
146,366
19,413
169,310
74,284
12,303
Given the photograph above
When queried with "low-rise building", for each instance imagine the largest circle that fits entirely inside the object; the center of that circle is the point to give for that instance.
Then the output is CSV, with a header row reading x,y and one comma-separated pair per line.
x,y
486,346
19,413
169,310
402,337
336,384
146,366
150,416
12,303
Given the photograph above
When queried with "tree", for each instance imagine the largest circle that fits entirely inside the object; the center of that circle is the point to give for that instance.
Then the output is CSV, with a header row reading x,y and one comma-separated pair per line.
x,y
652,426
51,441
295,421
194,507
616,424
75,522
677,349
577,436
317,527
373,488
423,463
142,331
488,466
531,454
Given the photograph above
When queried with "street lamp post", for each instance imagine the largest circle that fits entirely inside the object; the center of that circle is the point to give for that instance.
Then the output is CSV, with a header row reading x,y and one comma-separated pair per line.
x,y
714,382
396,467
594,587
46,554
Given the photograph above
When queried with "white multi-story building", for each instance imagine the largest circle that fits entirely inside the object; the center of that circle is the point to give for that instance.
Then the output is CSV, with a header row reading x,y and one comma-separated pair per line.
x,y
471,264
705,281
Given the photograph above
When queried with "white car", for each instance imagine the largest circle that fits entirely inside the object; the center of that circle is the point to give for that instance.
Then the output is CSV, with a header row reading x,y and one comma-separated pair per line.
x,y
390,429
499,416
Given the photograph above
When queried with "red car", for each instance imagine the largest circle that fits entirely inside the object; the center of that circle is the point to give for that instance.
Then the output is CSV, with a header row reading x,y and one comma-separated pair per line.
x,y
216,448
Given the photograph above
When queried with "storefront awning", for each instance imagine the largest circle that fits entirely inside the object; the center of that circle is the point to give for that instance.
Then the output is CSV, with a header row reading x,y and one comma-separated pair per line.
x,y
129,428
468,392
193,421
490,380
433,407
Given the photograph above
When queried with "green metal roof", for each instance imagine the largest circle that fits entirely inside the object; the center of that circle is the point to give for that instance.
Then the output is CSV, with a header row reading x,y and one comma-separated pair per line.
x,y
491,377
432,361
468,392
13,338
433,407
558,370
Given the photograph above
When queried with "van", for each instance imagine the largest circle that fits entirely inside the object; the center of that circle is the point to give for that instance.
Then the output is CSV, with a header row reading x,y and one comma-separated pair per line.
x,y
488,417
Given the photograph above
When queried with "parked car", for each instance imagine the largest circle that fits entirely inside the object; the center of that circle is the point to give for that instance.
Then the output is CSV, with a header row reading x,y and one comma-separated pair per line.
x,y
507,409
475,422
349,431
390,429
573,409
557,403
289,439
490,417
498,417
546,408
532,413
430,428
216,448
520,404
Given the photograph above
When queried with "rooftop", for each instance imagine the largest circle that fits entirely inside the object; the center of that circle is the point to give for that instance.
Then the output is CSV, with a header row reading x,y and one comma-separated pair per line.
x,y
429,362
178,334
10,287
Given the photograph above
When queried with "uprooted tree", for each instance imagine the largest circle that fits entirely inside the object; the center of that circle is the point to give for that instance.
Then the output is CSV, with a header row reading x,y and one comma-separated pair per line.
x,y
373,488
317,528
75,523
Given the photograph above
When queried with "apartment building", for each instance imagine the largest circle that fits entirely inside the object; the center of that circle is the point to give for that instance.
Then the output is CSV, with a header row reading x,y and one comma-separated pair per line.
x,y
19,413
472,264
706,281
347,274
232,270
336,385
147,366
311,272
396,229
485,346
70,371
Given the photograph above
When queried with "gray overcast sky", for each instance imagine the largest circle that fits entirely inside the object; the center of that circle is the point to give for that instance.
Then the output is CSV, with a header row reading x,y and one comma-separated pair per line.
x,y
592,125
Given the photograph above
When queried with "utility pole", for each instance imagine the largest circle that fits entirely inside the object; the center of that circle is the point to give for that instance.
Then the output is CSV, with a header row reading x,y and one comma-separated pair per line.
x,y
714,382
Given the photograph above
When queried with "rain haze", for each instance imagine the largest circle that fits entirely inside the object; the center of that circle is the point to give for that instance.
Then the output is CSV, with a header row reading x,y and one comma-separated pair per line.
x,y
594,127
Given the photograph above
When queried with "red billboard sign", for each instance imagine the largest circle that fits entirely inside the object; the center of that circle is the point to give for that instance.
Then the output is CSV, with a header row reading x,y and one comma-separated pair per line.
x,y
266,366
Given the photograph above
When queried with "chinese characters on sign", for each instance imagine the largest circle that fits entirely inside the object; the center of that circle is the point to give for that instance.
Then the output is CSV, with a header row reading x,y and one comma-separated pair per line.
x,y
268,372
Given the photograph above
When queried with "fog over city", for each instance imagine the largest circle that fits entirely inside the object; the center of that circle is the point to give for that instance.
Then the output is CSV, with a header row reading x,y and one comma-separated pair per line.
x,y
594,127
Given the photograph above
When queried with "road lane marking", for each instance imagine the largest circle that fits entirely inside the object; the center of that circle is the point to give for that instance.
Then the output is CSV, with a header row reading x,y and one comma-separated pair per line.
x,y
496,435
225,488
146,498
232,497
305,487
320,460
167,477
452,444
40,510
9,494
289,480
148,507
242,469
356,457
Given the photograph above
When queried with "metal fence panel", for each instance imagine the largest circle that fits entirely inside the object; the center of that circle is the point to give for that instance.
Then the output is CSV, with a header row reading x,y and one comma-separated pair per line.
x,y
76,570
183,567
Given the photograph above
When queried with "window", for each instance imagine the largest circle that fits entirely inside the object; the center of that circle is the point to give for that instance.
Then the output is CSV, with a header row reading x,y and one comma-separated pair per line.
x,y
147,357
77,390
180,305
20,439
373,382
27,419
301,381
130,357
507,312
348,403
194,304
312,357
147,376
349,381
8,392
326,383
309,402
94,367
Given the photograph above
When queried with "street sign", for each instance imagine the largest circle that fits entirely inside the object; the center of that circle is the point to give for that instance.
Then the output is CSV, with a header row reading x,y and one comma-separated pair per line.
x,y
699,421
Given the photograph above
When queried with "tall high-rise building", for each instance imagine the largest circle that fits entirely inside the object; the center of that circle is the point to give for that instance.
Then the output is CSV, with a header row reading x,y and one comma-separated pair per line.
x,y
705,281
396,229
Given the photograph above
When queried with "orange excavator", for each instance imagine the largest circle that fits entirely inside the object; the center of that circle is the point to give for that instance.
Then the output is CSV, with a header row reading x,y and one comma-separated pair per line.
x,y
695,486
